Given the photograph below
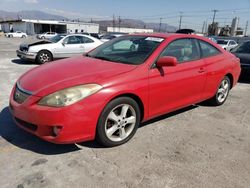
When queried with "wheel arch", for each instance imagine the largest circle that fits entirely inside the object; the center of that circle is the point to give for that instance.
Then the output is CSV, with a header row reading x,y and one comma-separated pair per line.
x,y
46,51
136,98
231,78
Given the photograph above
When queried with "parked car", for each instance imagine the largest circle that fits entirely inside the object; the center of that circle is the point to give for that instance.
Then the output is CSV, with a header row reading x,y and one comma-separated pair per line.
x,y
18,34
60,46
243,52
46,35
96,35
108,92
212,39
108,37
227,44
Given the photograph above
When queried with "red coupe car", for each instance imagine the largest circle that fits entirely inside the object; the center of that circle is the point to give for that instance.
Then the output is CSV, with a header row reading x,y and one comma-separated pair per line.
x,y
106,93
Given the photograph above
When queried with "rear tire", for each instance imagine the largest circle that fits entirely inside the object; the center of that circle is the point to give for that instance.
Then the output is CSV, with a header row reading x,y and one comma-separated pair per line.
x,y
222,92
42,38
44,57
11,36
118,122
23,36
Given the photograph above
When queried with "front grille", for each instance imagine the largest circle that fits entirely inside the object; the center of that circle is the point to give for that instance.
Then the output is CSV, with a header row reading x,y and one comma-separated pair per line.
x,y
27,125
20,96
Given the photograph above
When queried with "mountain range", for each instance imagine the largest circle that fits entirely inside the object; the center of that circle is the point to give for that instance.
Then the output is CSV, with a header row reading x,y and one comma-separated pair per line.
x,y
131,23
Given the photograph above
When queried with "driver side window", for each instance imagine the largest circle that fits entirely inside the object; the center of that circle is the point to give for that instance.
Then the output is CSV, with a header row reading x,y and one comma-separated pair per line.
x,y
183,49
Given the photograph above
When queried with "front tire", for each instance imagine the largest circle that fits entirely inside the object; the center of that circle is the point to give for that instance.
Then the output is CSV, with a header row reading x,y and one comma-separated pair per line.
x,y
118,122
222,92
44,57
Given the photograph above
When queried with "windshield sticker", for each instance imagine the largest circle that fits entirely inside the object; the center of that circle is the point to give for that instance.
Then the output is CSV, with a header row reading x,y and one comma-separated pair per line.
x,y
155,39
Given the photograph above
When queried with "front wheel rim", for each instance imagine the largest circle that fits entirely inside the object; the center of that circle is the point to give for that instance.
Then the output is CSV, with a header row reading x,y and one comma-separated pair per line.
x,y
44,57
223,91
120,122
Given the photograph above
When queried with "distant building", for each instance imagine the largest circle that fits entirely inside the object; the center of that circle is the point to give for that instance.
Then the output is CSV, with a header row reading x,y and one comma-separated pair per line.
x,y
128,30
32,27
233,30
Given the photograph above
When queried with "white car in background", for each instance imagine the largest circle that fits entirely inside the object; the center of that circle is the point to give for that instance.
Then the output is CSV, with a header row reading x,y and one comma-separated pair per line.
x,y
108,37
60,46
227,44
47,35
18,34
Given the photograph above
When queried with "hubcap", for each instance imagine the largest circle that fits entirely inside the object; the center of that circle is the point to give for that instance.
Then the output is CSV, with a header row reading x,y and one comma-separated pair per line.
x,y
120,122
223,91
44,57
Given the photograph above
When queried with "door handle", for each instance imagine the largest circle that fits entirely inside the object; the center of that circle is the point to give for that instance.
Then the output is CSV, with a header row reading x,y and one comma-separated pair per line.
x,y
201,70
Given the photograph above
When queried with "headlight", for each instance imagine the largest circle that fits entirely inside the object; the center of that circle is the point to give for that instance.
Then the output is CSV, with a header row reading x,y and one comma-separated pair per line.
x,y
69,96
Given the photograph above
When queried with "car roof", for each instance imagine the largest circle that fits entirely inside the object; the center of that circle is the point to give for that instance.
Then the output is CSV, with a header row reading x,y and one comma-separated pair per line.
x,y
170,35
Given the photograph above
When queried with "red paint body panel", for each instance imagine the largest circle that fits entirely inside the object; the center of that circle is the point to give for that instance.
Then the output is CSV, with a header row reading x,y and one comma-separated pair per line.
x,y
160,90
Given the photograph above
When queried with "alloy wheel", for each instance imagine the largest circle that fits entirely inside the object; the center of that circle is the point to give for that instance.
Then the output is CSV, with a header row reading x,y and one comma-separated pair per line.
x,y
223,91
44,57
120,122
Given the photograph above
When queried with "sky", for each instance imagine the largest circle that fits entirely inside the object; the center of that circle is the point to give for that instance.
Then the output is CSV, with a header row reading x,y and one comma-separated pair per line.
x,y
194,12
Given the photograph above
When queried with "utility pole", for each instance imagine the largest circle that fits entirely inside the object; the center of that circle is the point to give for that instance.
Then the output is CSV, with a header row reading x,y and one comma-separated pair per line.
x,y
160,25
180,21
213,28
215,11
119,22
203,27
246,29
113,23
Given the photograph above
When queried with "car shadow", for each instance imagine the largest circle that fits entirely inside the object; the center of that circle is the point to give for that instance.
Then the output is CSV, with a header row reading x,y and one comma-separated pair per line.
x,y
94,144
22,62
21,139
245,77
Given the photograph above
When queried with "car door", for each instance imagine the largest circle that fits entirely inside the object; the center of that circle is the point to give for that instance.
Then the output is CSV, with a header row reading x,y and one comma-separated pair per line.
x,y
71,46
18,34
174,87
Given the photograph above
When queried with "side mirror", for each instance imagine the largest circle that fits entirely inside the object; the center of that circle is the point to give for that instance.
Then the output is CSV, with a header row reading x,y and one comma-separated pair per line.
x,y
167,61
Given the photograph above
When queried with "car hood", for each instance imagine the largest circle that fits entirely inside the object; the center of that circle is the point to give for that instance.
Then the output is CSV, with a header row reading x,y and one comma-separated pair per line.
x,y
65,73
35,44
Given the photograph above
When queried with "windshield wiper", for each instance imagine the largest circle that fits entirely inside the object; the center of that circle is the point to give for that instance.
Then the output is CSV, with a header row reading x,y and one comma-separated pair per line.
x,y
101,57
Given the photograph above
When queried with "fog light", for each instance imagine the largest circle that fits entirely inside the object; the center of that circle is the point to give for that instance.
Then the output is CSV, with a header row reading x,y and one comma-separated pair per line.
x,y
57,130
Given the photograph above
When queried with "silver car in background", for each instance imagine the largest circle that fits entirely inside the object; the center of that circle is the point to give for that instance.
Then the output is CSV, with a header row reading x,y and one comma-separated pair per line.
x,y
60,46
47,35
227,44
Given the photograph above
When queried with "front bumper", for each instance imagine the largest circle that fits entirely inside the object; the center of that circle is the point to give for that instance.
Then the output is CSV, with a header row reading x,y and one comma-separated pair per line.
x,y
26,55
77,122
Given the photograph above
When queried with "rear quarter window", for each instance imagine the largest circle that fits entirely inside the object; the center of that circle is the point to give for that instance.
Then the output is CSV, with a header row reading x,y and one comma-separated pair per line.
x,y
208,50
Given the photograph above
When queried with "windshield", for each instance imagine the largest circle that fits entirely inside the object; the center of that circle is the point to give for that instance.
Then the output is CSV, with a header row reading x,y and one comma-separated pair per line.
x,y
224,42
127,49
56,38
